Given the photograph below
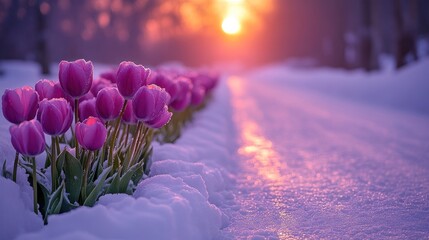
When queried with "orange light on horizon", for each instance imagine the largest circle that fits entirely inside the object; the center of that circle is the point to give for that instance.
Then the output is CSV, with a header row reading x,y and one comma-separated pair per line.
x,y
231,25
235,1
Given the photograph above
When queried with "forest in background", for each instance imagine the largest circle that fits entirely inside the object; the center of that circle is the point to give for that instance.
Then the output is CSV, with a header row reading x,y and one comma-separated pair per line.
x,y
336,33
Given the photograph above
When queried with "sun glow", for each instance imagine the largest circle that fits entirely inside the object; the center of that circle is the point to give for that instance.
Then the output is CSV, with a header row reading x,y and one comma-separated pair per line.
x,y
235,1
231,25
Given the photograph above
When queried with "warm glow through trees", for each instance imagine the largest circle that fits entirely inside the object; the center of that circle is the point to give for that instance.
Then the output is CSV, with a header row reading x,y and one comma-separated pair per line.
x,y
231,25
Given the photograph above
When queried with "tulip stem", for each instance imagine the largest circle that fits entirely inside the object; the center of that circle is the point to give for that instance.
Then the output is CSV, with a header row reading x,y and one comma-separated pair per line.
x,y
140,141
33,161
57,143
15,166
121,139
115,133
53,163
85,176
127,133
76,116
131,149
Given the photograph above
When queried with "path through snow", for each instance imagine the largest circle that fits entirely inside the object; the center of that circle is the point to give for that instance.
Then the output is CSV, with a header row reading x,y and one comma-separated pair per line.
x,y
318,167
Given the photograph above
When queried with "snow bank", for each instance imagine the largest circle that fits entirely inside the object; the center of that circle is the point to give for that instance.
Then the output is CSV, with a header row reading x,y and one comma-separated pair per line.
x,y
405,89
179,201
163,207
16,210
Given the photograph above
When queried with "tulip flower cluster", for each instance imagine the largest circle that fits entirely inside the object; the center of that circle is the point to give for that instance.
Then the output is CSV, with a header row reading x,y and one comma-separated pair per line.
x,y
188,90
100,129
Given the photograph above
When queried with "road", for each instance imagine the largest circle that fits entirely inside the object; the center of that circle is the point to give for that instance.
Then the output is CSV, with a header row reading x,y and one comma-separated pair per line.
x,y
312,166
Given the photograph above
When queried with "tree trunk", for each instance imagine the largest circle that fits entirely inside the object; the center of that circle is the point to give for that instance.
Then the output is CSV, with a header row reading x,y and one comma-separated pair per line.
x,y
406,32
41,45
368,53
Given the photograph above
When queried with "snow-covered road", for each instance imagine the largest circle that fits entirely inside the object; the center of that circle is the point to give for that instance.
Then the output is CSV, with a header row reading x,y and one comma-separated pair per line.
x,y
319,167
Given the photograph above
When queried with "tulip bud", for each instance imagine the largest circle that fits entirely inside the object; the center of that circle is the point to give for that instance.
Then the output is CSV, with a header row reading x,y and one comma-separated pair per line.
x,y
161,120
149,102
55,115
109,103
166,82
185,94
20,104
130,77
211,80
128,117
28,138
91,133
198,94
99,84
76,77
49,89
87,109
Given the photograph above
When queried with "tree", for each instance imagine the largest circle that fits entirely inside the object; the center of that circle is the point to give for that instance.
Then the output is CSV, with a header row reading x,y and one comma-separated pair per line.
x,y
406,31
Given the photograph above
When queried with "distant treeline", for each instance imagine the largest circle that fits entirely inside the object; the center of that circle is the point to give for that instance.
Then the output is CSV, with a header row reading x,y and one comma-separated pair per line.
x,y
337,33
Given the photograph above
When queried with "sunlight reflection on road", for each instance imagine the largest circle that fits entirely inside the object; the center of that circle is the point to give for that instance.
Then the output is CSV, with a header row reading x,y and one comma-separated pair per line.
x,y
260,156
260,151
316,167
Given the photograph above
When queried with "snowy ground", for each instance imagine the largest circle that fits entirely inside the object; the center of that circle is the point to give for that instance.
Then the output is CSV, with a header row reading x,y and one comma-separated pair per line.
x,y
317,164
278,154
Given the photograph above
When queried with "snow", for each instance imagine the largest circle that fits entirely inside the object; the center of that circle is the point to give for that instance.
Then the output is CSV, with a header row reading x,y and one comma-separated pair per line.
x,y
324,154
405,90
279,153
163,207
16,210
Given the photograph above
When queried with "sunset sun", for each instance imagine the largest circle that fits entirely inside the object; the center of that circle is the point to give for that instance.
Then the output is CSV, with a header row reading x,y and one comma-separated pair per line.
x,y
231,25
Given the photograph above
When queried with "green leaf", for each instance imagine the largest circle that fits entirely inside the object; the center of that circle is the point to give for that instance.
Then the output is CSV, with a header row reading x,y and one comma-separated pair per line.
x,y
114,186
138,174
28,168
73,176
126,178
3,170
147,161
48,158
118,160
55,201
60,161
45,193
93,196
67,206
90,187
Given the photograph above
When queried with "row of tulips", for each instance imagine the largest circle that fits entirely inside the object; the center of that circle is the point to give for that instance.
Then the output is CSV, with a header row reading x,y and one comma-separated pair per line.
x,y
107,147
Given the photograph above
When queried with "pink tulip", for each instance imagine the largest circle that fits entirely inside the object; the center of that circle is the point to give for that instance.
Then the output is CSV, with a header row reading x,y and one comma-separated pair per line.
x,y
166,82
128,117
49,89
76,77
28,138
130,77
161,120
185,94
55,115
109,103
91,133
149,102
87,109
99,84
210,81
20,104
198,94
